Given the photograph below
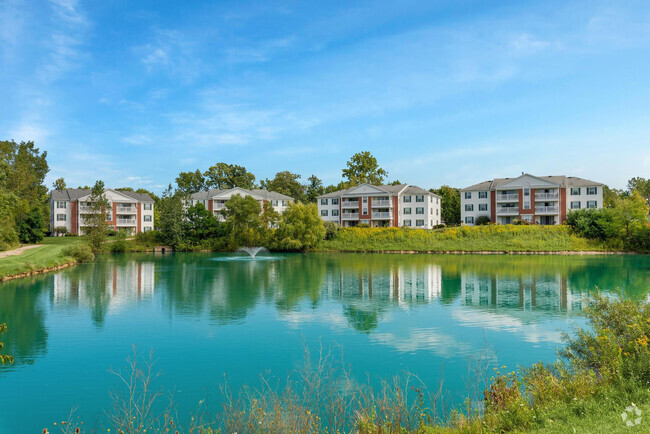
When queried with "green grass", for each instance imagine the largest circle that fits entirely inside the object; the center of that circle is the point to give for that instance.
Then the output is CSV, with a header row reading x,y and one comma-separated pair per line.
x,y
50,254
491,238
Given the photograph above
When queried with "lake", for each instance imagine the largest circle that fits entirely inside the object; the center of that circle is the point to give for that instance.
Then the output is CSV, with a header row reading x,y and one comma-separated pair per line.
x,y
210,317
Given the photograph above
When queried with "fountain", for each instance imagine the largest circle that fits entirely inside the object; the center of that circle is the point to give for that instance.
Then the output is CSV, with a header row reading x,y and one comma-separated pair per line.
x,y
252,251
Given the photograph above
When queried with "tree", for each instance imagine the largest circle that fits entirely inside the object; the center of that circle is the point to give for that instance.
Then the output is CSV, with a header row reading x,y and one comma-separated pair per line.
x,y
610,196
95,221
363,168
224,176
31,226
4,358
59,184
269,215
244,222
396,182
449,204
314,189
640,185
631,211
191,182
285,183
200,224
300,227
482,220
170,216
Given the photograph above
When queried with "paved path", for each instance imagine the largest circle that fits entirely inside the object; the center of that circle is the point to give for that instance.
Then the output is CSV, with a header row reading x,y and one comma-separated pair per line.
x,y
18,251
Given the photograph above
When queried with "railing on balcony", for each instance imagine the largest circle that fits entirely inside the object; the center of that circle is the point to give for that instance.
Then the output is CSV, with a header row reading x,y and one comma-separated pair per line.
x,y
546,209
218,206
126,222
86,209
125,209
381,203
511,196
508,210
350,215
546,195
350,204
381,215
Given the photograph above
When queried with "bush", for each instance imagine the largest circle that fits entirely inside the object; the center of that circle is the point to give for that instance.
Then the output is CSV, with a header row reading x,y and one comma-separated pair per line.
x,y
482,220
81,252
147,238
111,232
363,225
60,230
120,245
70,234
599,224
331,230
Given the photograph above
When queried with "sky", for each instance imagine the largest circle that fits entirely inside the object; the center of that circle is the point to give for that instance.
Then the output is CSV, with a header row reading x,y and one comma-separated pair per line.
x,y
440,92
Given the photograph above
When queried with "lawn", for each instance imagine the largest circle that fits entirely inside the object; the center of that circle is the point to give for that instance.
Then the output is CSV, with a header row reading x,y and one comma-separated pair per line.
x,y
492,238
50,254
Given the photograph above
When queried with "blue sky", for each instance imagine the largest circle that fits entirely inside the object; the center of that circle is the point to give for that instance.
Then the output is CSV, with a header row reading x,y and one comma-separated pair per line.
x,y
441,92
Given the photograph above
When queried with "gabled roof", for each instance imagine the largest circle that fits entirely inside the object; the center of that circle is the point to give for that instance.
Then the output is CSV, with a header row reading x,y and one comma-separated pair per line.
x,y
73,194
560,180
261,194
388,189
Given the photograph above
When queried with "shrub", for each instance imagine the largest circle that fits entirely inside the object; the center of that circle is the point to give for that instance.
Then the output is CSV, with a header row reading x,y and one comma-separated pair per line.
x,y
81,252
594,223
331,230
482,220
70,234
363,225
111,232
147,238
120,245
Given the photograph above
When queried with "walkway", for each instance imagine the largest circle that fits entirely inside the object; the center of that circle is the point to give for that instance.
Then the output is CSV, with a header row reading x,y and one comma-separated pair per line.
x,y
18,251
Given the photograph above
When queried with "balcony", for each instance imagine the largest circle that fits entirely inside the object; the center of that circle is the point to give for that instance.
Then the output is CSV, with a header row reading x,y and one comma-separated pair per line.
x,y
546,196
510,210
350,216
86,210
349,204
546,209
218,206
385,203
381,216
508,197
125,209
125,222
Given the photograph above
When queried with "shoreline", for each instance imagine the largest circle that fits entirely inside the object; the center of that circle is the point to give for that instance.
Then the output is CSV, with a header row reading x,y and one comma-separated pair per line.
x,y
490,252
38,271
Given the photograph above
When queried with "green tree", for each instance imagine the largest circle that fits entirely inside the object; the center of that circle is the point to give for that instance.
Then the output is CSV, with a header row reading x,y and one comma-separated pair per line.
x,y
244,221
285,183
602,224
449,204
363,168
4,358
31,226
200,224
300,227
191,182
314,189
95,221
269,215
59,184
640,185
170,216
396,182
631,211
224,176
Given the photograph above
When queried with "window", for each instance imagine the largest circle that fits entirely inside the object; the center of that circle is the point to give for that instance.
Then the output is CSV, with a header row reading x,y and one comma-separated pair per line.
x,y
365,199
274,202
575,205
527,218
147,218
61,204
575,191
419,223
592,204
335,213
436,211
149,206
469,220
526,205
335,201
407,222
526,191
468,195
285,202
407,210
469,207
482,206
407,199
419,198
323,213
592,190
60,217
323,201
109,217
419,210
365,211
482,194
147,229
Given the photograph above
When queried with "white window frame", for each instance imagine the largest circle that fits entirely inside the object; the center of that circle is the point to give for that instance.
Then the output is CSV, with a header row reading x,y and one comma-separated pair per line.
x,y
335,201
419,198
469,207
574,203
61,204
575,191
149,206
147,218
406,199
419,210
323,201
335,213
468,195
59,219
469,220
407,223
419,222
482,206
407,211
591,191
592,202
482,194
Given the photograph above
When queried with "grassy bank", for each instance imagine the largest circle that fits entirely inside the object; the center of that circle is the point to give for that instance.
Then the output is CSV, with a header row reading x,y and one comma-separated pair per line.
x,y
491,238
49,255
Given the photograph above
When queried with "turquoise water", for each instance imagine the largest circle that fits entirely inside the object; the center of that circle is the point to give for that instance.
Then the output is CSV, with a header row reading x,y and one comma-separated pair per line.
x,y
208,317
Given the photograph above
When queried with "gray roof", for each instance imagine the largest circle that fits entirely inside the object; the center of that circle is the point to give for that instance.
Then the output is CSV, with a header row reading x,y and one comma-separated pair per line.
x,y
73,194
392,189
264,194
561,180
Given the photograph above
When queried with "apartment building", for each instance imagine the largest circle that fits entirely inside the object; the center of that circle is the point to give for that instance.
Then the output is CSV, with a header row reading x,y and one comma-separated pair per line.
x,y
215,200
541,200
130,211
381,206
